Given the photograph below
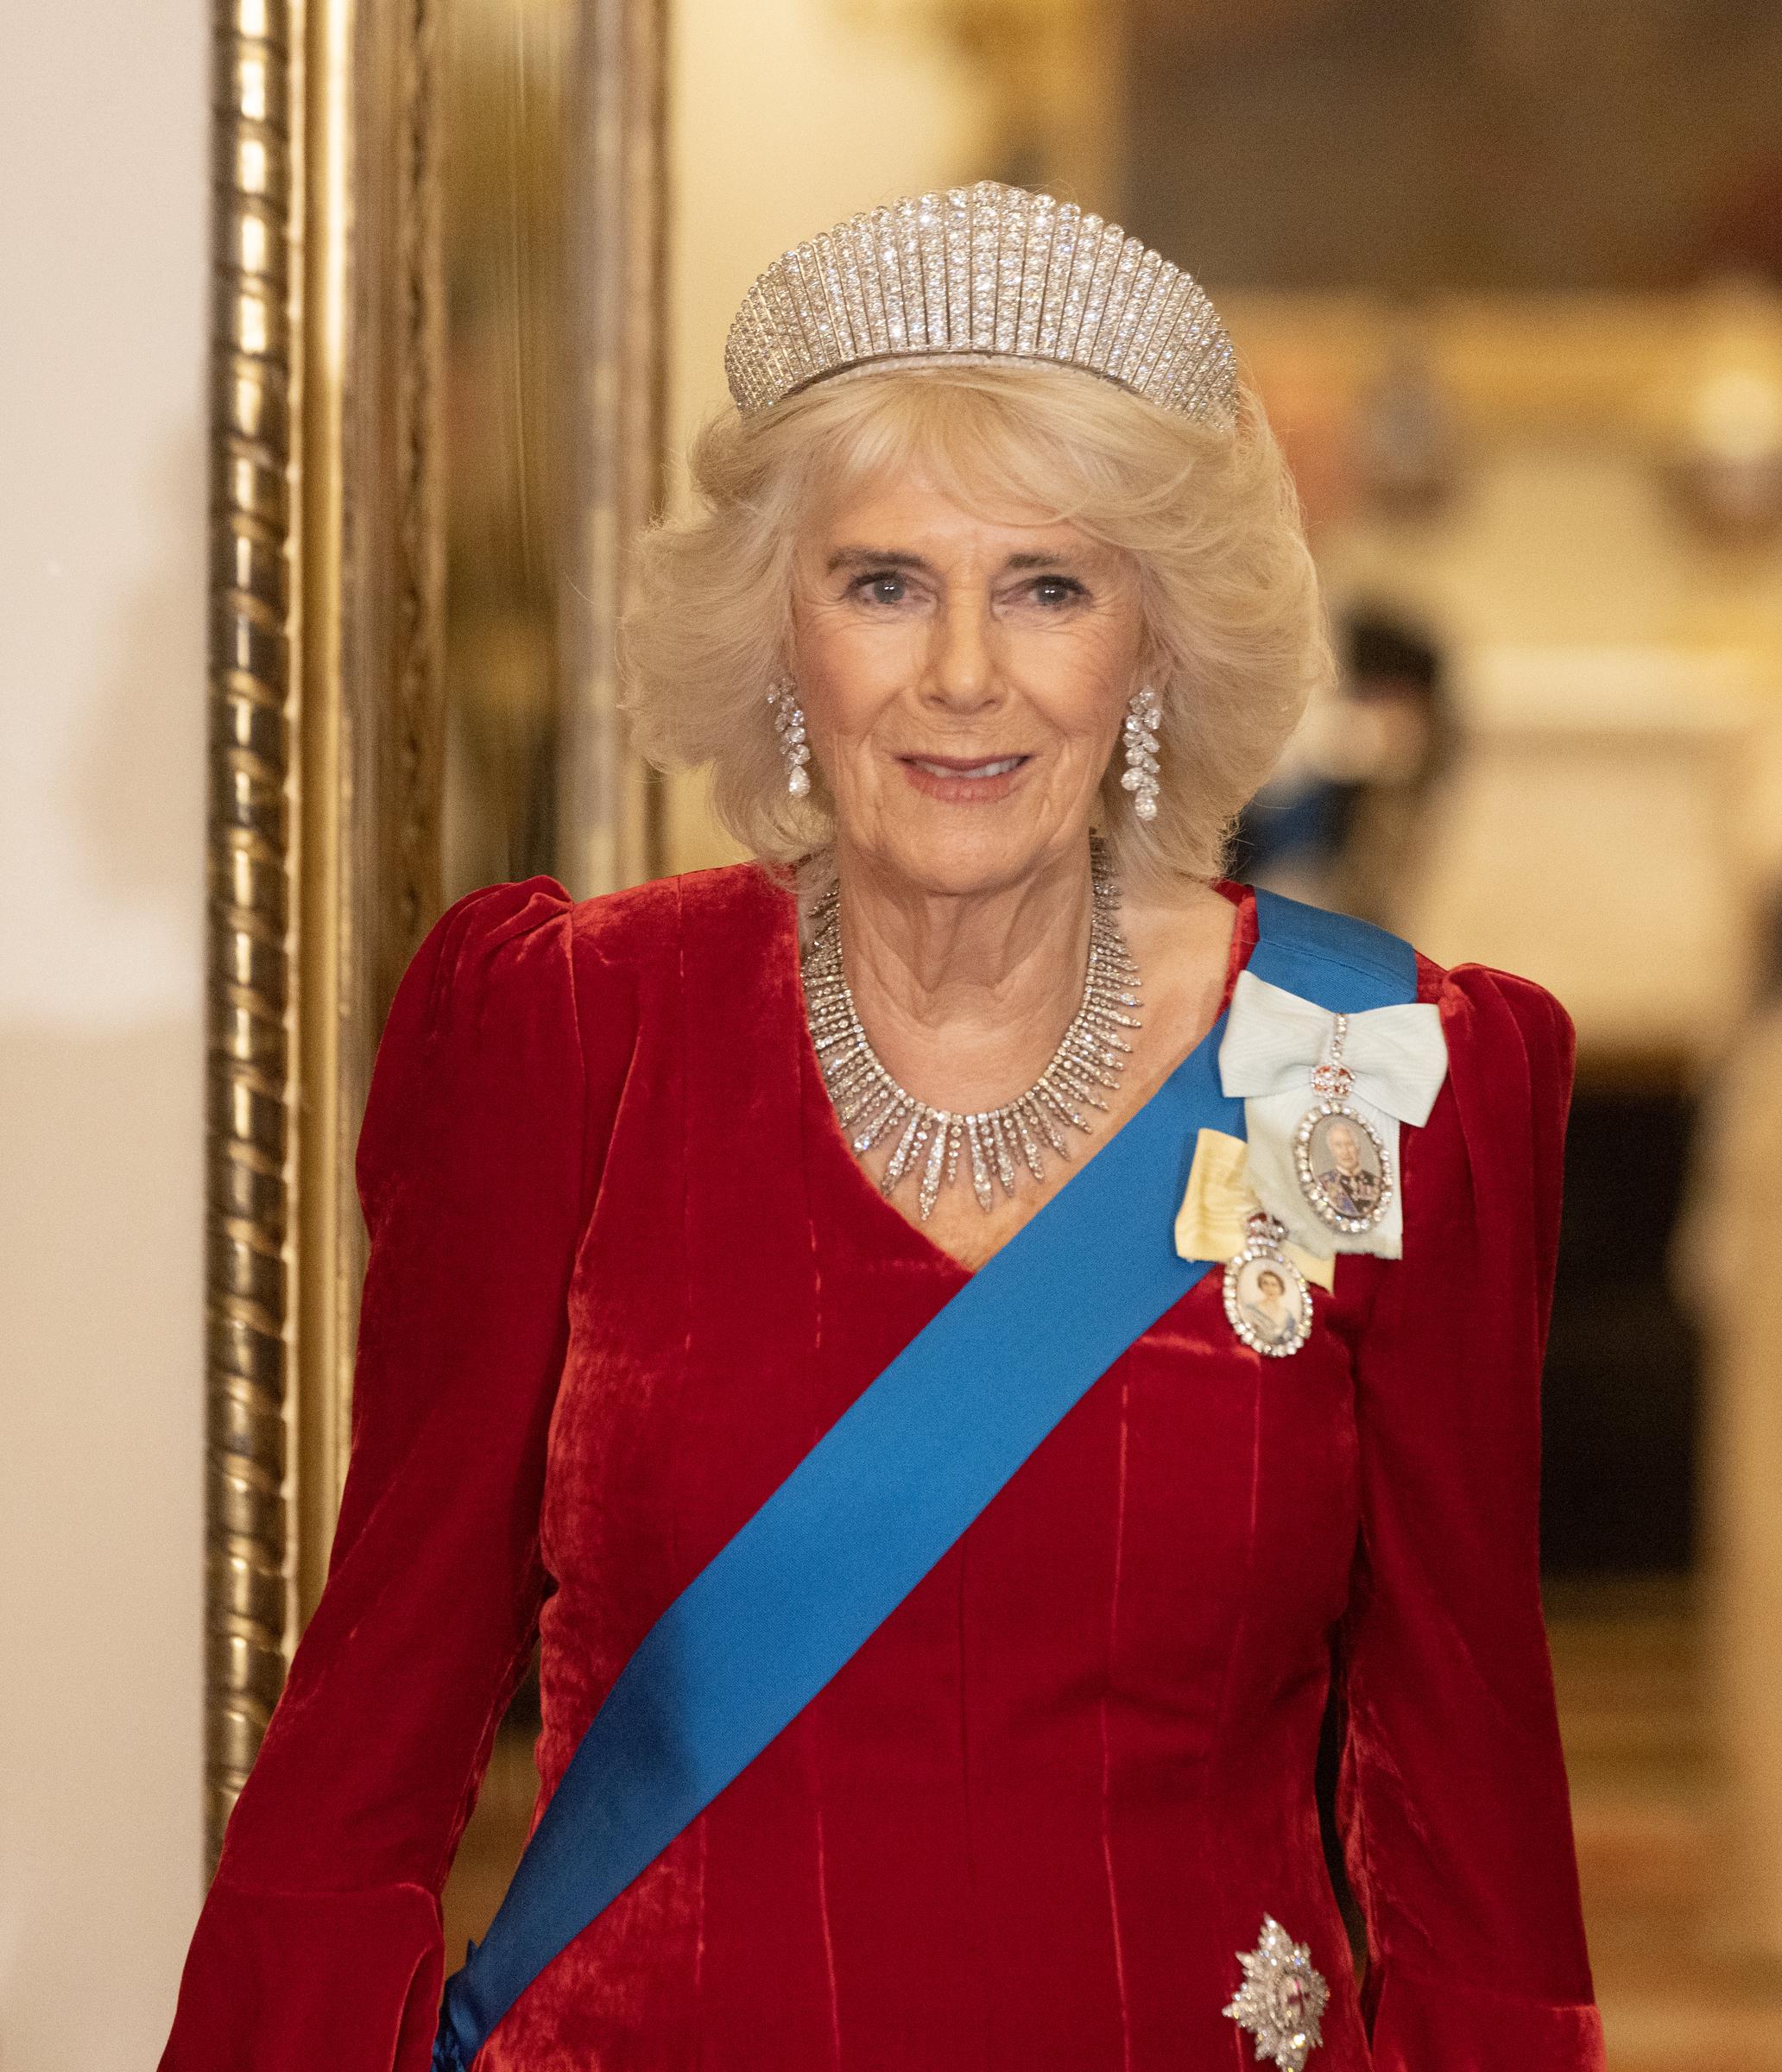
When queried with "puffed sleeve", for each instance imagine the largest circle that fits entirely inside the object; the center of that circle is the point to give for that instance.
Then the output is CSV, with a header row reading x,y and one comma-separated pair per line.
x,y
1452,1802
320,1942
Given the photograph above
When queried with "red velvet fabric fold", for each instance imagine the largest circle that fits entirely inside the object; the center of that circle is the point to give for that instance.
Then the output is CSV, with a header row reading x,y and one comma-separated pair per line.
x,y
356,1975
624,1271
1453,1800
1448,2023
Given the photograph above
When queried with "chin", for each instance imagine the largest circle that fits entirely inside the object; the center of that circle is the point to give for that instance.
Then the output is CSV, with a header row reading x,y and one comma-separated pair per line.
x,y
960,861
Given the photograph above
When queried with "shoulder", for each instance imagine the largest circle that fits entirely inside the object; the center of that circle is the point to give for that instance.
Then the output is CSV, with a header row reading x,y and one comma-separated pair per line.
x,y
646,926
1495,1018
520,977
481,1052
1479,1004
1501,1110
522,1005
498,937
523,936
1484,1011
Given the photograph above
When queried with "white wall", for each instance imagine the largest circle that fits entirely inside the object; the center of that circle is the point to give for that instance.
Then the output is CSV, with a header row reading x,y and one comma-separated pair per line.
x,y
103,203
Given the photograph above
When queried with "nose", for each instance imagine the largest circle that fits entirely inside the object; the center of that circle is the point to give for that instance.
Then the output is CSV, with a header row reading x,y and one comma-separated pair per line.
x,y
962,673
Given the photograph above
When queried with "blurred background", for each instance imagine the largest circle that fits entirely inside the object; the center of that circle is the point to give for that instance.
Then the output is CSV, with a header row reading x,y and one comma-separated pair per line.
x,y
1509,277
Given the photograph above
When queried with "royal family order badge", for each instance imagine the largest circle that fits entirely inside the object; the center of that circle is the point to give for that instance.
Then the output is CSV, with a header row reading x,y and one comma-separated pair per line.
x,y
1267,1299
1343,1166
1282,1999
1325,1094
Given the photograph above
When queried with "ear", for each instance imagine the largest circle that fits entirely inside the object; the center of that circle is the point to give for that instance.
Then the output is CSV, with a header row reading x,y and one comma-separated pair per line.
x,y
1155,665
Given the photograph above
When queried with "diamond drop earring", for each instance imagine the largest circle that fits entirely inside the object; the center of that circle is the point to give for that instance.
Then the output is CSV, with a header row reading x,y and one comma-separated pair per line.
x,y
789,725
1144,715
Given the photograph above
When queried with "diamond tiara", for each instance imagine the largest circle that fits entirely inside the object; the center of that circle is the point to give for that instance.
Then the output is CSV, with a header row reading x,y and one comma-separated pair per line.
x,y
987,271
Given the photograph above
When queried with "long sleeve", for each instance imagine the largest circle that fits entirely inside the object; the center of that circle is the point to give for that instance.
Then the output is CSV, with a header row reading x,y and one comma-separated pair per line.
x,y
320,1942
1452,1802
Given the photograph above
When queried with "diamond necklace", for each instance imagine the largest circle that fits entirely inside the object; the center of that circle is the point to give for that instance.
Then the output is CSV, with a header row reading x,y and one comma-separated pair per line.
x,y
871,1105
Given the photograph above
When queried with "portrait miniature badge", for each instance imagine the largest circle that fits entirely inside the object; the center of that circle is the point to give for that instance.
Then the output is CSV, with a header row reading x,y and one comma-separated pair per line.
x,y
1268,1280
1266,1297
1342,1163
1325,1096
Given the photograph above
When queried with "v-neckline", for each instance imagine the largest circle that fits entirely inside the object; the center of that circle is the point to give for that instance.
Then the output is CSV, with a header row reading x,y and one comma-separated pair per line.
x,y
833,1136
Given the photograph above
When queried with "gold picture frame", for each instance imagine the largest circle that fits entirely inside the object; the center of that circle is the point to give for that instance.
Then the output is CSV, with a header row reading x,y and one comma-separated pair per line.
x,y
326,731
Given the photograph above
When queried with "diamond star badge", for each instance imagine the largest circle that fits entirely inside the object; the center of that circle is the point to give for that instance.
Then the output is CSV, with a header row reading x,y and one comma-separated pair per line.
x,y
1282,1997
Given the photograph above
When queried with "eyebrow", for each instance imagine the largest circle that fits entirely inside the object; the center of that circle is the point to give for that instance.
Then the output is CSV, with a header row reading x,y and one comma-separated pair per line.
x,y
891,557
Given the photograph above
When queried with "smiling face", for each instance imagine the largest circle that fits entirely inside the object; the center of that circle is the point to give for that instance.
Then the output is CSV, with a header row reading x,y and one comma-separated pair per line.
x,y
964,678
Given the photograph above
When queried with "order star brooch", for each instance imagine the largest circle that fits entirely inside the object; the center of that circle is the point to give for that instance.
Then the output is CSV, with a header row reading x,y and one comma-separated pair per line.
x,y
1282,1997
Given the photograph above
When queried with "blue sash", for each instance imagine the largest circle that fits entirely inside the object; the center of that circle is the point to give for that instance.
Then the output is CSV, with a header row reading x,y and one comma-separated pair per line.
x,y
886,1490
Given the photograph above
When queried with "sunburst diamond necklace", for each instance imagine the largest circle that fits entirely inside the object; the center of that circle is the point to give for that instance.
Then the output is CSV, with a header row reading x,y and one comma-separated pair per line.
x,y
933,1143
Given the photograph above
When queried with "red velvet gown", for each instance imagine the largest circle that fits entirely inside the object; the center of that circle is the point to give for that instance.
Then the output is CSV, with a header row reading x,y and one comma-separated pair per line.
x,y
624,1271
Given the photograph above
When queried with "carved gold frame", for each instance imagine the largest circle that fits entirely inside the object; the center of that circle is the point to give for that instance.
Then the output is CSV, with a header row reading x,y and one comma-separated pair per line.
x,y
324,689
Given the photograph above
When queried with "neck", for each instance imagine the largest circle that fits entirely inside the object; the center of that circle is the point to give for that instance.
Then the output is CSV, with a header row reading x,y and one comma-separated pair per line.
x,y
965,995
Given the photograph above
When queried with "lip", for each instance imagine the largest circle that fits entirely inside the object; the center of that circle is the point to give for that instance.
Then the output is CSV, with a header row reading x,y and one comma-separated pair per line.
x,y
964,780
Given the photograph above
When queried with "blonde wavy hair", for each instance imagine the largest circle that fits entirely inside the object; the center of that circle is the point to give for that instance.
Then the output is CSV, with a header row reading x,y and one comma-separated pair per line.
x,y
1236,635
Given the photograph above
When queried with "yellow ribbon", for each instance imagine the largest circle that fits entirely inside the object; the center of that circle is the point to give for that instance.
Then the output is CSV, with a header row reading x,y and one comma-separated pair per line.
x,y
1213,1222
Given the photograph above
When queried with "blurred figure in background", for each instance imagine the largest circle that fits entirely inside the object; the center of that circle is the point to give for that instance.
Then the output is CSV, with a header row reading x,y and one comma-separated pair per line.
x,y
1343,822
1729,1237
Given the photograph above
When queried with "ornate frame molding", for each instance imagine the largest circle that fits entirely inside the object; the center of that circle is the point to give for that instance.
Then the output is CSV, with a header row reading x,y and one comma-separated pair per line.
x,y
610,803
251,1054
324,762
324,698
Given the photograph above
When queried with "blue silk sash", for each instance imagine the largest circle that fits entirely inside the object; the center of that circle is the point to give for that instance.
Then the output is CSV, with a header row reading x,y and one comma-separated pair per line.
x,y
886,1490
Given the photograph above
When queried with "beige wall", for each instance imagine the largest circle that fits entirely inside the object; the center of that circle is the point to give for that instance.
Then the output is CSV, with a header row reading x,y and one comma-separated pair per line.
x,y
1620,680
1617,667
787,115
102,285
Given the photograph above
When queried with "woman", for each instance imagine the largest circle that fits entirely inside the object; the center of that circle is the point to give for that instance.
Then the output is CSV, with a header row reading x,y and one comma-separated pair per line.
x,y
1266,1311
995,612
